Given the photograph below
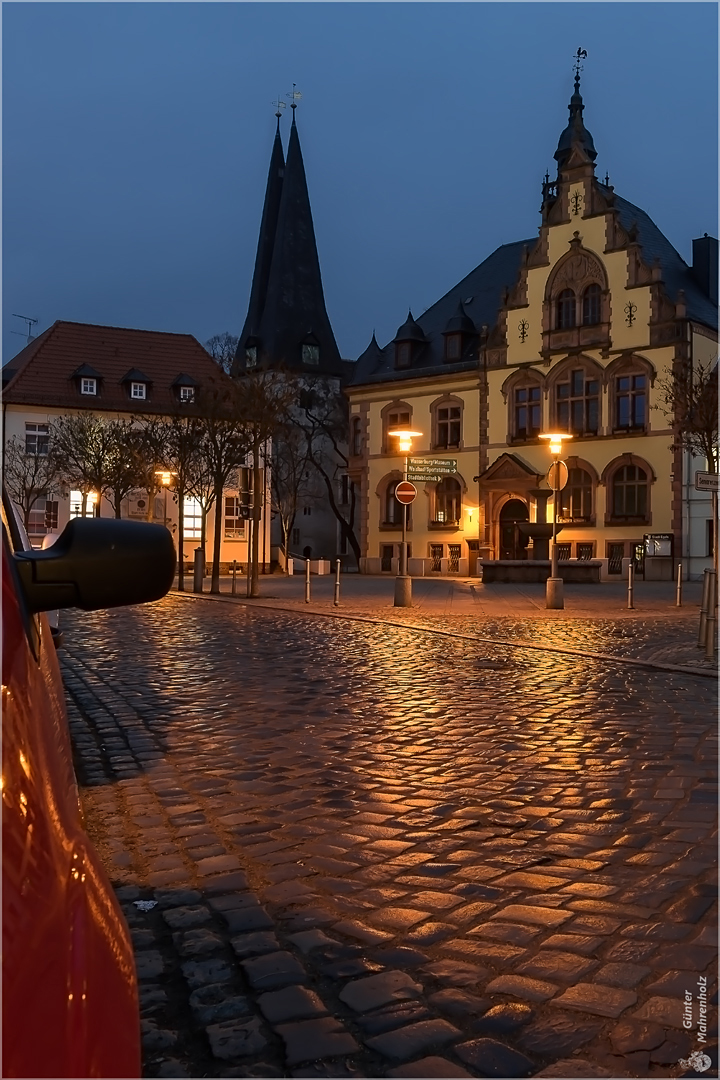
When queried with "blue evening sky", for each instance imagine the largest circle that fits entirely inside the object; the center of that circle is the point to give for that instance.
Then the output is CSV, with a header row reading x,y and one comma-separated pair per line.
x,y
136,140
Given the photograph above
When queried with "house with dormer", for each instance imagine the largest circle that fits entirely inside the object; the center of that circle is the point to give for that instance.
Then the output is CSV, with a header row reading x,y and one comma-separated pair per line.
x,y
118,373
571,331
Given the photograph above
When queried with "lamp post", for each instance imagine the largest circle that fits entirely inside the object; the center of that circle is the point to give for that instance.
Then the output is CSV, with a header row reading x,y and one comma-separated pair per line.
x,y
554,585
165,479
403,581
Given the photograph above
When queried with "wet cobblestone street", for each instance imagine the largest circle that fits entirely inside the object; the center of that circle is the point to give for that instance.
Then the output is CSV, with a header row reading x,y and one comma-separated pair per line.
x,y
373,851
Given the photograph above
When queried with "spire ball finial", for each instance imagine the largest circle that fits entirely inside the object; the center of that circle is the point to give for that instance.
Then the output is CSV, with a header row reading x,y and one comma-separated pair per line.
x,y
279,105
581,54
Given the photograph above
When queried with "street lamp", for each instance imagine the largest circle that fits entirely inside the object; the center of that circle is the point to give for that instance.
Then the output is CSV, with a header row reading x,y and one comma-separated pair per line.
x,y
554,585
166,480
403,581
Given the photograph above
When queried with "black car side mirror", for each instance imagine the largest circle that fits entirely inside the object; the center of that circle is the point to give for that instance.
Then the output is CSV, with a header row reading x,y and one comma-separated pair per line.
x,y
99,563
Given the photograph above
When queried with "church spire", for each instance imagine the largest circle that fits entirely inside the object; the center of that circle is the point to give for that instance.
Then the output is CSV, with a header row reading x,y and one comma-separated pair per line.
x,y
575,137
266,243
294,329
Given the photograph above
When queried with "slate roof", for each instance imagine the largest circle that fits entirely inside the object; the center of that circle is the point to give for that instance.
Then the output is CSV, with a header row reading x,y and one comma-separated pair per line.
x,y
481,295
676,273
46,369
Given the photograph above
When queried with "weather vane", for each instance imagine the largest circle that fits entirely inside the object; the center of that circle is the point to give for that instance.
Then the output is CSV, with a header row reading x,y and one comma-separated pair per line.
x,y
581,54
295,96
279,105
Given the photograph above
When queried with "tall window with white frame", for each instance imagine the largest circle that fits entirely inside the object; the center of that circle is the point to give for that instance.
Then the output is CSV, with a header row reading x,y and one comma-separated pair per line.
x,y
234,523
192,519
37,439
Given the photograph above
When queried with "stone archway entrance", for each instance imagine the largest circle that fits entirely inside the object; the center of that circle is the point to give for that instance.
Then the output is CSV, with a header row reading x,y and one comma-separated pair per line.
x,y
512,544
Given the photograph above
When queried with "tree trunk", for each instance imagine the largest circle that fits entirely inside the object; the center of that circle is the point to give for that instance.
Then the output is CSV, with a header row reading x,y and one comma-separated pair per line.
x,y
181,538
257,510
217,538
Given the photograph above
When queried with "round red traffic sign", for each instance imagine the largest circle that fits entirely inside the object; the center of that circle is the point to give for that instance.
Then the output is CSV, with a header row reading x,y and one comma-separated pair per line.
x,y
405,492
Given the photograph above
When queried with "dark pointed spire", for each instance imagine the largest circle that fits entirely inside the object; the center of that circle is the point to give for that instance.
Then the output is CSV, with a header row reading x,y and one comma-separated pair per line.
x,y
266,245
410,330
575,136
294,309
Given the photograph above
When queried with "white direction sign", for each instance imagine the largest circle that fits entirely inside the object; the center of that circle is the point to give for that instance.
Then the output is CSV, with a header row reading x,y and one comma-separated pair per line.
x,y
706,481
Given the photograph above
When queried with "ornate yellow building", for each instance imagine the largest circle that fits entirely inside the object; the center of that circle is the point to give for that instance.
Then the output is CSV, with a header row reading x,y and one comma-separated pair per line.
x,y
571,331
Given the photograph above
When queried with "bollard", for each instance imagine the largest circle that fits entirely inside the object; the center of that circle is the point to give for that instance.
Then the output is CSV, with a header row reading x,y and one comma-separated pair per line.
x,y
704,609
711,618
678,591
307,581
198,570
631,575
337,583
234,575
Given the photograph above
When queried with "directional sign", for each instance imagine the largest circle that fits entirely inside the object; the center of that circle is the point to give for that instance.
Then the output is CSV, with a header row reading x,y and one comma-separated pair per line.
x,y
405,492
706,481
425,476
435,465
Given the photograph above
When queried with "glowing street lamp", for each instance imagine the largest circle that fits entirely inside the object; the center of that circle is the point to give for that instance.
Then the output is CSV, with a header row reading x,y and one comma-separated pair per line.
x,y
166,480
403,581
554,585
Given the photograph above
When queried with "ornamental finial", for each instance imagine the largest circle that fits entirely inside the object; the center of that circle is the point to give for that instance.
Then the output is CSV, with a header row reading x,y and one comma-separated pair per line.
x,y
581,54
294,98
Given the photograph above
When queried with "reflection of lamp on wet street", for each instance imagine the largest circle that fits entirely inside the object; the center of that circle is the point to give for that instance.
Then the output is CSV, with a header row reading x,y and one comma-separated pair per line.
x,y
404,493
554,585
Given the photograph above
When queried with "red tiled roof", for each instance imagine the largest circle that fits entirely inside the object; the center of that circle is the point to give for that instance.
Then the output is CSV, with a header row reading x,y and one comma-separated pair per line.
x,y
45,367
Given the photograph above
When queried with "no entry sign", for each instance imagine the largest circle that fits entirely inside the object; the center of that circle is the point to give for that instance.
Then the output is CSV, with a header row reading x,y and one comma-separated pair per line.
x,y
405,492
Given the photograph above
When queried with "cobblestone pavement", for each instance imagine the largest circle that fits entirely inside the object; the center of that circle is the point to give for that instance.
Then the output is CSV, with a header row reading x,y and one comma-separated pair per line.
x,y
351,849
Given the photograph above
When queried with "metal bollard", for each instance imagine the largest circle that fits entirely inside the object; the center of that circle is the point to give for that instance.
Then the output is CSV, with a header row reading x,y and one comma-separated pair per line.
x,y
678,591
704,609
711,619
337,583
631,576
198,570
234,576
307,581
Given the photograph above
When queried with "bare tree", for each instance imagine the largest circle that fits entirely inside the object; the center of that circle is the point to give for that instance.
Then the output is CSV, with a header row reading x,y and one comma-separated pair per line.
x,y
292,479
689,399
126,468
265,402
82,448
323,417
28,477
222,348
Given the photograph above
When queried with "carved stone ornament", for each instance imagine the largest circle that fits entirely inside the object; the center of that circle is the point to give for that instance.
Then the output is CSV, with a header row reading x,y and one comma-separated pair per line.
x,y
579,270
506,471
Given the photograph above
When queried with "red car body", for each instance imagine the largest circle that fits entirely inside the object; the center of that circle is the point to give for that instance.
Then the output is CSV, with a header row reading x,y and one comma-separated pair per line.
x,y
70,1003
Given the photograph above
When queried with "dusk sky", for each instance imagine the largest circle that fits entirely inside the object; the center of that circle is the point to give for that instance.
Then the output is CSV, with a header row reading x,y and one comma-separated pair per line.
x,y
137,136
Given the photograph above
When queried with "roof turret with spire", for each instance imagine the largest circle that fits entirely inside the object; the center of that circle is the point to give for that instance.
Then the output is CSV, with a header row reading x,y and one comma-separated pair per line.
x,y
575,137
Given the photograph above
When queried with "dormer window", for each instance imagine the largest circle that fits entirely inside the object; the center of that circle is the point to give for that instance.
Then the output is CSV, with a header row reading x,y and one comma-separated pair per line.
x,y
251,356
88,386
311,354
402,354
138,391
137,385
187,394
453,346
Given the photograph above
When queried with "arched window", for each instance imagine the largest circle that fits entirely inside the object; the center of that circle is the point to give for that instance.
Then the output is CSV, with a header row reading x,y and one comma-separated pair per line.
x,y
631,402
577,403
630,492
393,510
448,501
565,310
576,498
527,412
356,440
591,305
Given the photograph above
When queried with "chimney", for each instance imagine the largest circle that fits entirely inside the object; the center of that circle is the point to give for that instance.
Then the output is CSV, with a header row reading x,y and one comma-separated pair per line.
x,y
705,265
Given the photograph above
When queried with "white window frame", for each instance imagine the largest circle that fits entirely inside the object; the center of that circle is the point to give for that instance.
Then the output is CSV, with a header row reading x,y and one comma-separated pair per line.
x,y
192,519
138,391
187,394
88,386
76,504
37,435
233,522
